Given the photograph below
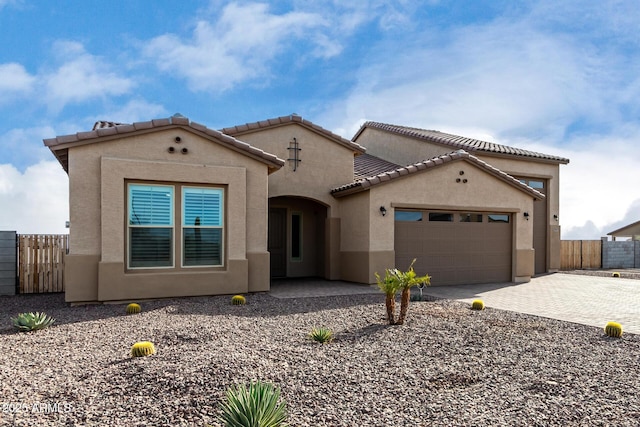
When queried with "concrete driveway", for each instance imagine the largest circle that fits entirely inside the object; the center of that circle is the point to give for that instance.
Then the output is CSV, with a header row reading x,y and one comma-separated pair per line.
x,y
575,298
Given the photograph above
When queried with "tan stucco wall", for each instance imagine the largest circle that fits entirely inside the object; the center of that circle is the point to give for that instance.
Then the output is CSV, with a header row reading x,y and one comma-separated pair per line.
x,y
325,164
399,149
384,144
431,189
97,174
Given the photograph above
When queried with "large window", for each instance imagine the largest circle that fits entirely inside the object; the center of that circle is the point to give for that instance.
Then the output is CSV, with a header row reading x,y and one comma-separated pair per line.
x,y
153,236
202,226
150,226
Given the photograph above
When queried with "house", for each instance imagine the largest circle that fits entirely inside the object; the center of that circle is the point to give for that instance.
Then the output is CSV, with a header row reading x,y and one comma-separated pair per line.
x,y
171,208
631,231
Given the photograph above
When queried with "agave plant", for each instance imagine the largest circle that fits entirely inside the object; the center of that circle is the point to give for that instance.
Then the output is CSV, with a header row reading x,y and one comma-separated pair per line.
x,y
321,334
254,406
26,322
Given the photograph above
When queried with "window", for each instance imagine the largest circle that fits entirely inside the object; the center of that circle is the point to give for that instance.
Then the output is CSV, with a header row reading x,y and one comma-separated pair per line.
x,y
150,226
503,218
296,236
441,217
202,226
470,217
154,241
408,215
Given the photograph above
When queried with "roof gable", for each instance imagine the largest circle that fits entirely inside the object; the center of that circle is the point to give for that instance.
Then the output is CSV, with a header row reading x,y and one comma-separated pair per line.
x,y
627,231
239,130
460,155
106,131
459,142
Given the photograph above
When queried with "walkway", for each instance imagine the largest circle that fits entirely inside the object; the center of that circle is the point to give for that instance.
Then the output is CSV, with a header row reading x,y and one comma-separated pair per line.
x,y
575,298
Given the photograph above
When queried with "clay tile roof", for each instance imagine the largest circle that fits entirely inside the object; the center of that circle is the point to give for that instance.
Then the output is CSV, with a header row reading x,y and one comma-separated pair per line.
x,y
103,130
365,183
366,165
460,142
239,130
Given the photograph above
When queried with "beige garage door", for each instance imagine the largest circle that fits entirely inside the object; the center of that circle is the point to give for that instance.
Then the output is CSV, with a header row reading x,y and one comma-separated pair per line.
x,y
455,247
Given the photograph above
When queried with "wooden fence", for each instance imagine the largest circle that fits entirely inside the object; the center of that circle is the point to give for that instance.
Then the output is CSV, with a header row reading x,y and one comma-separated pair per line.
x,y
580,254
41,262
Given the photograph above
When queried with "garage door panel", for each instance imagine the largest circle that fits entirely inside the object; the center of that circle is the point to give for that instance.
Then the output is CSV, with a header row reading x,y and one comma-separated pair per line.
x,y
455,252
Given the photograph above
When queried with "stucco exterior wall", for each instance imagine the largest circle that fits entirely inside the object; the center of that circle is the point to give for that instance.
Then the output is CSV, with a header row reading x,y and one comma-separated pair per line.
x,y
97,179
399,149
324,164
433,189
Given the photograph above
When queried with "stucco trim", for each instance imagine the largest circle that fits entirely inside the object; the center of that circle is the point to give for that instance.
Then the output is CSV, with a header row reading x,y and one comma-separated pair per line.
x,y
460,155
60,145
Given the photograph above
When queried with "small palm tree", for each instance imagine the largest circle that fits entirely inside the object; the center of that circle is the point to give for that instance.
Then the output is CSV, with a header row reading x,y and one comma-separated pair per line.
x,y
395,280
390,286
407,280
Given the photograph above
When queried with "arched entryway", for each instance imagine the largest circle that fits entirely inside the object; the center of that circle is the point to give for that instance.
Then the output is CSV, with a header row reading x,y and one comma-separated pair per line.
x,y
297,241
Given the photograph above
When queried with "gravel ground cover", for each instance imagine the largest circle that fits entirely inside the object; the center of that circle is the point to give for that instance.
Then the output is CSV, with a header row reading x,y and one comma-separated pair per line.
x,y
447,366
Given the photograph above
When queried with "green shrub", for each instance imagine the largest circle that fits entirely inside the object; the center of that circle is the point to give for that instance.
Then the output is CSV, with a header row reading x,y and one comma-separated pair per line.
x,y
143,348
26,322
477,304
321,335
238,300
254,406
133,308
613,329
615,274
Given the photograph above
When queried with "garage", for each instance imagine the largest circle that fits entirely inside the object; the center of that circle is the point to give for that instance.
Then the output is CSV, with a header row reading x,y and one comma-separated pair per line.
x,y
455,247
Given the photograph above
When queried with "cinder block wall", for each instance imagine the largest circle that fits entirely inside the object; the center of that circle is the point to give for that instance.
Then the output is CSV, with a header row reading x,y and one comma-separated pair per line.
x,y
8,260
620,254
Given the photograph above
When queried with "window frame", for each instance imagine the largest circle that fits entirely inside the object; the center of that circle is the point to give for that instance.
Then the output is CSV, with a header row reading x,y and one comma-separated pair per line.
x,y
220,227
130,226
177,225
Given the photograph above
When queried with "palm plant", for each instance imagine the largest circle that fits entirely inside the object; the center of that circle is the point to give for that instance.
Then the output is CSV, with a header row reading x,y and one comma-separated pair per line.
x,y
395,280
390,286
407,280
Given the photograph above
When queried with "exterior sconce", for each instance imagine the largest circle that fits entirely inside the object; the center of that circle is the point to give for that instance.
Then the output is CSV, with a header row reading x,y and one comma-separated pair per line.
x,y
383,210
526,215
555,216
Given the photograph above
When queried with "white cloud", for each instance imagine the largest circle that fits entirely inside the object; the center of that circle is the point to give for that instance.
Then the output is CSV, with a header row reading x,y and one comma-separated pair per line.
x,y
23,146
36,201
14,79
238,47
133,111
81,77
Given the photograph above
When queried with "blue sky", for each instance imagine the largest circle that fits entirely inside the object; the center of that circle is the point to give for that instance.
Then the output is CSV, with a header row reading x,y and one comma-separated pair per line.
x,y
557,77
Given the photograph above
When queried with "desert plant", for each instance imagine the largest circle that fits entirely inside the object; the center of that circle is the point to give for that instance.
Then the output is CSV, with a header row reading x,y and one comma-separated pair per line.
x,y
143,348
238,300
409,279
322,335
390,286
613,329
395,280
26,322
254,406
477,304
133,308
615,274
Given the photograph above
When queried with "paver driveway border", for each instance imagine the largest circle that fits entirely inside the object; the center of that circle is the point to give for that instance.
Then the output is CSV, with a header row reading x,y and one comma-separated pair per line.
x,y
588,300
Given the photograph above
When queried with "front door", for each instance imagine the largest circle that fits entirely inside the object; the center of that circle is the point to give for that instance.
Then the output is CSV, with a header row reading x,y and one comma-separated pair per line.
x,y
277,244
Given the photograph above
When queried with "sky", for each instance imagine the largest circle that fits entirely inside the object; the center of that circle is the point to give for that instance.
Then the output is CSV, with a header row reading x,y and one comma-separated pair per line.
x,y
561,78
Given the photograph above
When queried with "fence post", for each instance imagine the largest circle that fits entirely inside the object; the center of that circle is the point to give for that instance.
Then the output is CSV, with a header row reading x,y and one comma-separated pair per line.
x,y
8,262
